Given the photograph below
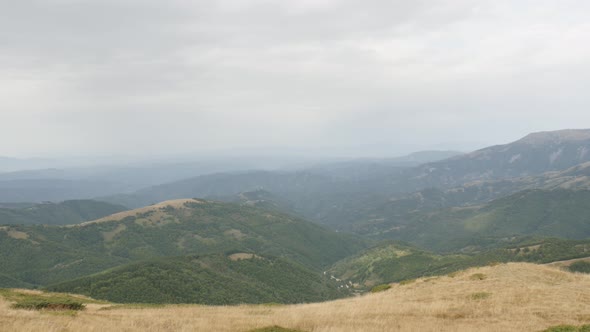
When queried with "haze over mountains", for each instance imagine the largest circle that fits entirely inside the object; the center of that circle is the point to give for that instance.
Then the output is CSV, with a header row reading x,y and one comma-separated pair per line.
x,y
228,165
533,155
339,194
380,220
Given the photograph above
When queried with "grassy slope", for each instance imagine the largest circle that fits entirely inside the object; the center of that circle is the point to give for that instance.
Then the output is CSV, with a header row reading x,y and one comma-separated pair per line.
x,y
383,213
64,213
212,279
42,255
556,213
394,262
506,297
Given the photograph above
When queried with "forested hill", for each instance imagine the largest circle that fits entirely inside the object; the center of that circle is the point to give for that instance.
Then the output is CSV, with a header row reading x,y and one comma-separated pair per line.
x,y
41,255
212,279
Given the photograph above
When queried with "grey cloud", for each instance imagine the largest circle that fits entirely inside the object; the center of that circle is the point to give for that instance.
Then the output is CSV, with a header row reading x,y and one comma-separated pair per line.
x,y
98,76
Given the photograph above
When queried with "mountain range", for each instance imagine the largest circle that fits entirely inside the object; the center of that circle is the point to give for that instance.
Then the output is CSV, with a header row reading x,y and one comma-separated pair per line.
x,y
256,236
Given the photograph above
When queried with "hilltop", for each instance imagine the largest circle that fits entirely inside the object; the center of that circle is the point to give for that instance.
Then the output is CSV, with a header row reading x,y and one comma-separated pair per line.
x,y
556,136
506,297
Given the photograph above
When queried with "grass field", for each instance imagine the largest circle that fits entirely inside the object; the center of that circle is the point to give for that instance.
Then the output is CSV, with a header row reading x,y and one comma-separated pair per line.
x,y
506,297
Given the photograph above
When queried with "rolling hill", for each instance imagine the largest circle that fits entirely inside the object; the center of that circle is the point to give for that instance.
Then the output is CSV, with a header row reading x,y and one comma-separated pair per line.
x,y
41,255
212,279
382,214
551,213
395,262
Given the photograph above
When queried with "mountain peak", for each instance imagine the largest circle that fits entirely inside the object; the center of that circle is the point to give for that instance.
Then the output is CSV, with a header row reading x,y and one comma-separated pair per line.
x,y
558,136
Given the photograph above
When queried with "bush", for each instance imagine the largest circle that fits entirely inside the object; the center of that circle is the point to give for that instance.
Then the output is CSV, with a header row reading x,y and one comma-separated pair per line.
x,y
480,296
48,304
407,282
478,276
380,288
580,266
568,328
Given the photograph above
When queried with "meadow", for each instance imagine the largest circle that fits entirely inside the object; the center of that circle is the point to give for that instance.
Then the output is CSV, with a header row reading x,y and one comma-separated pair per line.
x,y
504,297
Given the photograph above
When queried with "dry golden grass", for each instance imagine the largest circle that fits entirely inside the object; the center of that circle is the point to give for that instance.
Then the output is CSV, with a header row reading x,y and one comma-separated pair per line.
x,y
176,204
565,264
518,297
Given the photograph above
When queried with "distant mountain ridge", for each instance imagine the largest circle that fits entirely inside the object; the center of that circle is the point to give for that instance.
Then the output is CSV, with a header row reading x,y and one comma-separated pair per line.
x,y
556,137
63,213
346,193
534,154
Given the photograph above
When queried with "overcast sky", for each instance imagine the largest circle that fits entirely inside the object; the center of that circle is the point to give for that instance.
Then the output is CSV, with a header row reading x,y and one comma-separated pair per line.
x,y
82,77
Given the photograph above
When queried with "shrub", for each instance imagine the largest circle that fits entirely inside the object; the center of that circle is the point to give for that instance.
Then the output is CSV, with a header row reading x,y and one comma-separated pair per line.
x,y
380,288
407,281
568,328
272,304
580,266
480,296
48,304
478,276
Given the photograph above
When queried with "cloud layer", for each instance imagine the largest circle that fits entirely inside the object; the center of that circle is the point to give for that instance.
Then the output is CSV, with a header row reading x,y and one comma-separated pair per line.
x,y
346,77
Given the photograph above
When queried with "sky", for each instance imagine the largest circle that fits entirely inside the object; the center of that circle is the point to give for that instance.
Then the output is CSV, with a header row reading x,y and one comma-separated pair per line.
x,y
325,77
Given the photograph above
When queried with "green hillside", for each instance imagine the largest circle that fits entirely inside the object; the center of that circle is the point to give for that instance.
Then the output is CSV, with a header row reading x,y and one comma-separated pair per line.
x,y
395,262
551,213
64,213
41,255
392,262
9,282
212,279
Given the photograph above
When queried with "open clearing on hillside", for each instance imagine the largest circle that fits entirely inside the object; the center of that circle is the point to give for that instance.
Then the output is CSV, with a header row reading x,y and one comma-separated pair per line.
x,y
175,204
511,297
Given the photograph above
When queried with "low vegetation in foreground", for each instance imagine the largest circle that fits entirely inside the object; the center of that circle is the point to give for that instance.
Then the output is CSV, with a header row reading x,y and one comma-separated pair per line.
x,y
568,328
511,297
36,300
